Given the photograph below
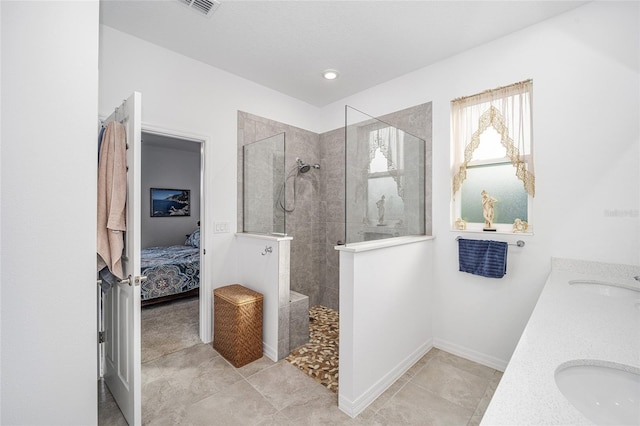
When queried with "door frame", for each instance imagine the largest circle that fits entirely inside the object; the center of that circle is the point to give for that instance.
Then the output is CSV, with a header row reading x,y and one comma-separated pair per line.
x,y
205,288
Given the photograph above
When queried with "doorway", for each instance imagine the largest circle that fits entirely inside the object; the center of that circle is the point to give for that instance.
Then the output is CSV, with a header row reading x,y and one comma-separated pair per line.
x,y
171,234
176,145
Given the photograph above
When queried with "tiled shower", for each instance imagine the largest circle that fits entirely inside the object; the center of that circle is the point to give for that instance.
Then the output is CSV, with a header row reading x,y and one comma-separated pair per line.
x,y
307,223
317,224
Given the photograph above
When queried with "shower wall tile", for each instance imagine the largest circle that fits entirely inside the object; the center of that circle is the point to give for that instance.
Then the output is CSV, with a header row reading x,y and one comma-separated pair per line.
x,y
240,200
303,144
332,144
265,130
284,315
334,233
428,184
320,232
304,237
306,211
334,174
318,255
315,232
330,298
284,271
322,210
299,321
332,269
303,268
333,211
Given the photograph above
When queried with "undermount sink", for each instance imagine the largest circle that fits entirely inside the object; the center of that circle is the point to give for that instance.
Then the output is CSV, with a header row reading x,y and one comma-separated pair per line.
x,y
605,393
605,289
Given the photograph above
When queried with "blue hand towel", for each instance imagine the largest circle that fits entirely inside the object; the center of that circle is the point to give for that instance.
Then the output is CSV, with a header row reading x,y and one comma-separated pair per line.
x,y
483,257
108,279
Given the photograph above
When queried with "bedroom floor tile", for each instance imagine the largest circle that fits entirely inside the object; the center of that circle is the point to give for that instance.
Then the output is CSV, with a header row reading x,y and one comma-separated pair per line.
x,y
169,327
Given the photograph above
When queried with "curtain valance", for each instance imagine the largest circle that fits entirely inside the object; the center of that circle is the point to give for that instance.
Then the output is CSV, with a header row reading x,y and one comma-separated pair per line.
x,y
508,111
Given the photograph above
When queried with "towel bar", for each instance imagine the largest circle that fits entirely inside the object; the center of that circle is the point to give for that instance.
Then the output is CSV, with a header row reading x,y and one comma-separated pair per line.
x,y
518,243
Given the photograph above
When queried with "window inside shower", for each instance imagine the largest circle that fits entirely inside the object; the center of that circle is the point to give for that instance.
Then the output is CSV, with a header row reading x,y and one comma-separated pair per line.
x,y
263,174
385,180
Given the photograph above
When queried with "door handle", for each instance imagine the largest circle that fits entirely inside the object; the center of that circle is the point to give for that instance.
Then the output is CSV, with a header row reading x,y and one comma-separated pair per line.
x,y
140,279
137,280
125,280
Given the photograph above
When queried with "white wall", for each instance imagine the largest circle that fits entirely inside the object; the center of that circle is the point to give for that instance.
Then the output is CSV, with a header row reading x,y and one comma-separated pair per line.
x,y
49,163
585,70
204,104
386,311
172,169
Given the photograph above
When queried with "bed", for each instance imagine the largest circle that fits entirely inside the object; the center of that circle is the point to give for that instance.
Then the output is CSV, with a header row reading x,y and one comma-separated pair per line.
x,y
172,272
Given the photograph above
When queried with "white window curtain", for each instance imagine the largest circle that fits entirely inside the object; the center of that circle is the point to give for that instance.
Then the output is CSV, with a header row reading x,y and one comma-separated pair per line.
x,y
508,111
390,141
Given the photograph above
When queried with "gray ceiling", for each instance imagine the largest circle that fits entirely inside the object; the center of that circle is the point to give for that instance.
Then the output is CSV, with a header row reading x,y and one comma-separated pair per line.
x,y
285,45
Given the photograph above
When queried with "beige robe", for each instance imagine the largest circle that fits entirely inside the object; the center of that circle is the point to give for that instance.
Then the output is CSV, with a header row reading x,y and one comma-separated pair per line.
x,y
112,198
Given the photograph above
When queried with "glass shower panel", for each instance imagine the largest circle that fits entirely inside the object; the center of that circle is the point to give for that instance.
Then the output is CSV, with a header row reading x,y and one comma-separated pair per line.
x,y
385,180
263,177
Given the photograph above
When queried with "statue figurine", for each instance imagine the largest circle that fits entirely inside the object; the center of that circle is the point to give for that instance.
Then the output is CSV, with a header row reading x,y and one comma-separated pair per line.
x,y
487,210
380,205
460,224
520,225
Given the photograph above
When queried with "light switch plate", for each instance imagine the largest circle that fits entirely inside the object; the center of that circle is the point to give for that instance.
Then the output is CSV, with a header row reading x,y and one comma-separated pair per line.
x,y
221,227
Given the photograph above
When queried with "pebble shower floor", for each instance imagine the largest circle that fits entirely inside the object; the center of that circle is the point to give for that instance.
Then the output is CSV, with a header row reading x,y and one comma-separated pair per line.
x,y
319,357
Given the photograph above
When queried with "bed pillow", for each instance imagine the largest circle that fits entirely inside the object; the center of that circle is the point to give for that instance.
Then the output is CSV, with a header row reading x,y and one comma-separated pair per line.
x,y
194,239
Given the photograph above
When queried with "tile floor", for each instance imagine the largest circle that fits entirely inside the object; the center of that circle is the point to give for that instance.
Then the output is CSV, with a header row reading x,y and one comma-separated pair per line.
x,y
196,386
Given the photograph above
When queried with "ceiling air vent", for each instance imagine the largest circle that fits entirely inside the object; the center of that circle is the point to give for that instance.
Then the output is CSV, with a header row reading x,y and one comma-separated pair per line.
x,y
203,7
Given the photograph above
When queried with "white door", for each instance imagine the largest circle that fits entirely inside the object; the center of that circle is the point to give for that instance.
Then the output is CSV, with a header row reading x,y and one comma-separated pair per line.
x,y
122,361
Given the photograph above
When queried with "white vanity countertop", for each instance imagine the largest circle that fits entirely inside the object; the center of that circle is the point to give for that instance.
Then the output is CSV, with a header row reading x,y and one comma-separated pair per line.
x,y
568,323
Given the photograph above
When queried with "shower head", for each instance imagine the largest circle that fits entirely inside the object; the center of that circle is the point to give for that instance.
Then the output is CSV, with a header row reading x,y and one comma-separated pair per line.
x,y
304,167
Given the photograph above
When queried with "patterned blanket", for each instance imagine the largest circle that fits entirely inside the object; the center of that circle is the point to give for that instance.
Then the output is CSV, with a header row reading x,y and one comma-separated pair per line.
x,y
169,270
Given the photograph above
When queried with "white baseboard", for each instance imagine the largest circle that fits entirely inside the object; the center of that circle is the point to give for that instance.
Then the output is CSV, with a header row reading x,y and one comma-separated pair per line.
x,y
480,358
269,352
353,408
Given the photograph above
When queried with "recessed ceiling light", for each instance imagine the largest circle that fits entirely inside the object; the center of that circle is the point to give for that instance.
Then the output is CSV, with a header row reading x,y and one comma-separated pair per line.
x,y
330,74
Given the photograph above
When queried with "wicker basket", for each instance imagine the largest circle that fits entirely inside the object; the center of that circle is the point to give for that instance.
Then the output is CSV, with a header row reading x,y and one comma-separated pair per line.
x,y
237,324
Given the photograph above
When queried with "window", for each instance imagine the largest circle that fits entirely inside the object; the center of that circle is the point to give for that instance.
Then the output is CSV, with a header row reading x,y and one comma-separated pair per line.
x,y
493,182
386,177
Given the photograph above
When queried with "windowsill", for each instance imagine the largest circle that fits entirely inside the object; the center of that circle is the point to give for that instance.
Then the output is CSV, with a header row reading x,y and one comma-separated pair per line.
x,y
378,244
